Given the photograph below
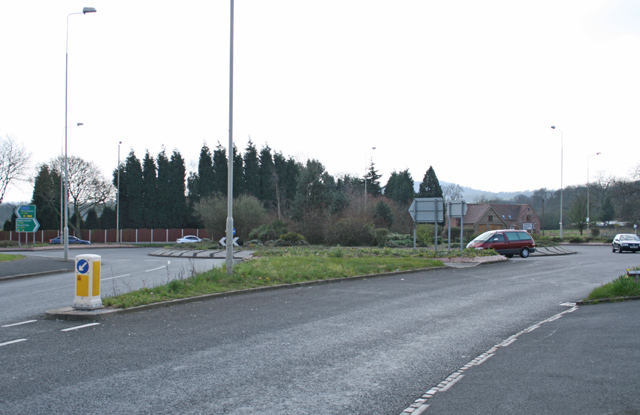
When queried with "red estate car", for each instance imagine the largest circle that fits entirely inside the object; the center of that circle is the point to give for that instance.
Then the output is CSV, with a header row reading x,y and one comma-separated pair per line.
x,y
507,242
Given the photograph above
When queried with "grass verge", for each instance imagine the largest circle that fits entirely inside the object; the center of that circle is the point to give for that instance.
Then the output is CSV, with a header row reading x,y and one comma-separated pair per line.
x,y
10,257
623,286
282,266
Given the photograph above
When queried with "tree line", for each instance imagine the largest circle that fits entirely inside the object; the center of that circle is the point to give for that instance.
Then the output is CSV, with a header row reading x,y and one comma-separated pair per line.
x,y
272,191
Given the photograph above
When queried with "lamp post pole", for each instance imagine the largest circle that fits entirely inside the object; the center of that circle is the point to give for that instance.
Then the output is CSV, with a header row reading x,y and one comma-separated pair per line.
x,y
589,217
118,198
229,231
85,10
561,172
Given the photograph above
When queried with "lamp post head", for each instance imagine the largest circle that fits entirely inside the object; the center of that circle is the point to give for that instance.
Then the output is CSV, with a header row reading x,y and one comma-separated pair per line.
x,y
553,127
79,124
86,10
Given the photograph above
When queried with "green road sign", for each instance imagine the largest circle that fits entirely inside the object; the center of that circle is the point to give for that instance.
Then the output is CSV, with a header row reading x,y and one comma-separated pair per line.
x,y
26,211
27,224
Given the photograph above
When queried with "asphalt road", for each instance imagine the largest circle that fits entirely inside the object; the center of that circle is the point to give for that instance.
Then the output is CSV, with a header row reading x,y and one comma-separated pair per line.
x,y
122,270
374,346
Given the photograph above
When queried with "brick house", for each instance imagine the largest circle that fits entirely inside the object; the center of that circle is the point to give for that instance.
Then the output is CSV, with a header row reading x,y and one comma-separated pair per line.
x,y
484,217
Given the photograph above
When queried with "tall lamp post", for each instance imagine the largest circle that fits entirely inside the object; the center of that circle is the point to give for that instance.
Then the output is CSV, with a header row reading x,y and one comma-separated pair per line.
x,y
118,198
85,10
561,172
589,217
229,231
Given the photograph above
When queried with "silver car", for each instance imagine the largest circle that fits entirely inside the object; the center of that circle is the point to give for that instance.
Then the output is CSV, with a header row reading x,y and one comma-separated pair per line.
x,y
625,242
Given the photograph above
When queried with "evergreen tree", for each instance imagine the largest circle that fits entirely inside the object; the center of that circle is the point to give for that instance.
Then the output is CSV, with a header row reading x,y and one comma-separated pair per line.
x,y
108,218
204,186
163,196
267,179
47,191
372,181
92,221
399,187
178,212
131,193
238,173
285,176
220,170
251,170
430,186
149,192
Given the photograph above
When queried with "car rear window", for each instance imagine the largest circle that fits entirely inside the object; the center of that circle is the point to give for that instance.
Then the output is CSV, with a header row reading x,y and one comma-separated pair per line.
x,y
519,236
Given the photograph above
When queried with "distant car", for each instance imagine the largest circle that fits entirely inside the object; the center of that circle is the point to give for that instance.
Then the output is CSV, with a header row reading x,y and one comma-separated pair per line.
x,y
507,242
625,242
189,239
72,240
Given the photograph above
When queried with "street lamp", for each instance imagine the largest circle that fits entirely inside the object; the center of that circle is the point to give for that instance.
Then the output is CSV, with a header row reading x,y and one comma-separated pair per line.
x,y
588,217
118,199
561,172
229,230
85,10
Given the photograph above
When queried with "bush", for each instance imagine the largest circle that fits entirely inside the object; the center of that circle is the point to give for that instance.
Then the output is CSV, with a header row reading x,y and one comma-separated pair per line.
x,y
268,232
351,232
381,236
595,232
292,237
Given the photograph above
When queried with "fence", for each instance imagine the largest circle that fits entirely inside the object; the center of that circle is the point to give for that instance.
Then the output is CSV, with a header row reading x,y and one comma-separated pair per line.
x,y
106,235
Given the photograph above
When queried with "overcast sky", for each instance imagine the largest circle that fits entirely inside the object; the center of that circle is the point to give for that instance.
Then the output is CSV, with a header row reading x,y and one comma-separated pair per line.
x,y
468,87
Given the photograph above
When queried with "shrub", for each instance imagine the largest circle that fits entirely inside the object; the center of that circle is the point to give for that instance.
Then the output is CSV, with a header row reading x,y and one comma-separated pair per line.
x,y
381,236
351,232
268,232
595,232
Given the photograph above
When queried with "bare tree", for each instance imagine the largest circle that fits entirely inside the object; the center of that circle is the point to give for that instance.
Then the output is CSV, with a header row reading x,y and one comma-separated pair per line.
x,y
14,161
87,186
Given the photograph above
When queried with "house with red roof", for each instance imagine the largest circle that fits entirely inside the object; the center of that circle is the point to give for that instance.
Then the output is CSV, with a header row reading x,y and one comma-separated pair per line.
x,y
484,217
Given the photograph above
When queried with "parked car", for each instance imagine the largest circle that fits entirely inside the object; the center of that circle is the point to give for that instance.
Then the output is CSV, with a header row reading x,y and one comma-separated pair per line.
x,y
72,240
189,239
625,242
507,242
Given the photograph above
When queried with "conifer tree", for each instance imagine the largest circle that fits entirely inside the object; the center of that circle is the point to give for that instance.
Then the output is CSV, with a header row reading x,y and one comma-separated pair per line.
x,y
220,170
149,192
47,192
163,182
430,186
251,170
267,182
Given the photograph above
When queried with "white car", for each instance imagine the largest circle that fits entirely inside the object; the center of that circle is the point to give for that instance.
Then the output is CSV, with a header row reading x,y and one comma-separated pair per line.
x,y
189,239
625,242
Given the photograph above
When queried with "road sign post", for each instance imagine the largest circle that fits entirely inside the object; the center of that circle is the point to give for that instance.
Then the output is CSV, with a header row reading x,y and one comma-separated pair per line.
x,y
457,209
87,269
26,220
427,210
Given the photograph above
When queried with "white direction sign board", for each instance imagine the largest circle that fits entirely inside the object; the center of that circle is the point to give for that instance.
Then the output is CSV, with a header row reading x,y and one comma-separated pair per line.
x,y
223,241
427,210
457,208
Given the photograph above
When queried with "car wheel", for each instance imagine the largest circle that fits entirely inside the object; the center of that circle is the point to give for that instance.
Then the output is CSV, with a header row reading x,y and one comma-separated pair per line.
x,y
613,249
524,253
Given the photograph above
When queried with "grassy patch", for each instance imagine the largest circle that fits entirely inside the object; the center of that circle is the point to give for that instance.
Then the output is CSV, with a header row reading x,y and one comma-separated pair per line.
x,y
280,266
623,286
10,257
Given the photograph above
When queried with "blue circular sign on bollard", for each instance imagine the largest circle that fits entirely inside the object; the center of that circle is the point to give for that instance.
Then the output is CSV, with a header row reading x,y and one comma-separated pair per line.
x,y
82,266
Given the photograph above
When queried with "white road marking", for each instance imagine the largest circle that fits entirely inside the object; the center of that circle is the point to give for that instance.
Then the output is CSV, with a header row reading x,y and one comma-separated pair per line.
x,y
80,327
113,278
18,324
12,342
420,405
155,269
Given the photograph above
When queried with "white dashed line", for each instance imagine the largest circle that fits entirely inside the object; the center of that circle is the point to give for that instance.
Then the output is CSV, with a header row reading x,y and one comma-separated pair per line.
x,y
18,324
80,327
12,342
420,405
117,276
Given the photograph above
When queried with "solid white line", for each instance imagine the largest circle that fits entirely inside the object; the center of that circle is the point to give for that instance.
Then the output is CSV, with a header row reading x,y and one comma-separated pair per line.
x,y
155,269
12,341
17,324
113,278
80,327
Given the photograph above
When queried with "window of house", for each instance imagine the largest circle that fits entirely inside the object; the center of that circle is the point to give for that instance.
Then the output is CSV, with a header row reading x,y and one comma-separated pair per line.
x,y
490,218
528,218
